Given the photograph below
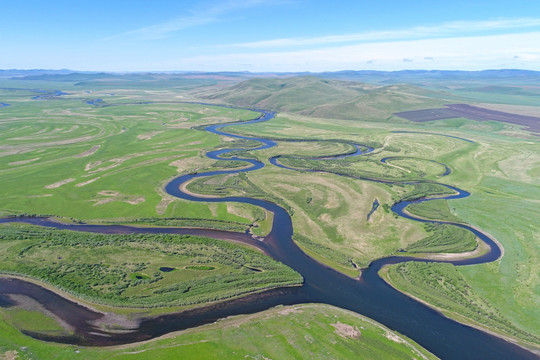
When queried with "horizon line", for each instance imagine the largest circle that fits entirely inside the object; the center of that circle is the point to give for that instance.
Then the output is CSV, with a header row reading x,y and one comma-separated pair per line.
x,y
260,72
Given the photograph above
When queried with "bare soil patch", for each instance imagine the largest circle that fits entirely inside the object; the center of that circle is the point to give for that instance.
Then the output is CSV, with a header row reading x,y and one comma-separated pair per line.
x,y
532,123
162,206
92,165
87,182
59,183
346,331
290,310
149,135
22,162
9,355
394,337
110,196
88,152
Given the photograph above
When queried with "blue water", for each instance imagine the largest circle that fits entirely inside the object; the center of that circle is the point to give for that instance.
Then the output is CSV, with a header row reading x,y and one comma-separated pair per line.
x,y
48,95
95,102
374,208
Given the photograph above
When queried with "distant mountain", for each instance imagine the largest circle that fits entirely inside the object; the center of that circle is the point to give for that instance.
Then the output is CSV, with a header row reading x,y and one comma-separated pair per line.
x,y
367,76
435,76
20,73
343,94
65,77
128,80
310,95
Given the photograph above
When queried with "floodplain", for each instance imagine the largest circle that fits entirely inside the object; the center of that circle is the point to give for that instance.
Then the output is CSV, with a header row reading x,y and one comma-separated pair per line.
x,y
107,162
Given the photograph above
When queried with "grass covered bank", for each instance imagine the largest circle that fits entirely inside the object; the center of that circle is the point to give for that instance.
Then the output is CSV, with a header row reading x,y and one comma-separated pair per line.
x,y
139,270
443,287
312,330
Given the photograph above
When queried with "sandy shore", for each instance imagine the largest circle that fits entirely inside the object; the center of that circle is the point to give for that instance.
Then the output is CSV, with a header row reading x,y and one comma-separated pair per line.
x,y
108,318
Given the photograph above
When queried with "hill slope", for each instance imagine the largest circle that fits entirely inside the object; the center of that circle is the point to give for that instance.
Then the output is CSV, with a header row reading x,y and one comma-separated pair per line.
x,y
313,96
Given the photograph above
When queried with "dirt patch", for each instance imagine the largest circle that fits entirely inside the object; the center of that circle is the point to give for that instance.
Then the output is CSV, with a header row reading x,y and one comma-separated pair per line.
x,y
532,123
180,119
115,163
87,182
290,311
88,152
136,200
110,196
92,165
59,183
394,338
22,162
111,320
149,135
162,206
9,355
346,331
109,193
190,164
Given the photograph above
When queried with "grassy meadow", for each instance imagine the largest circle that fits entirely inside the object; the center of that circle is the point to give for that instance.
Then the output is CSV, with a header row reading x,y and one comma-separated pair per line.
x,y
291,332
139,270
111,163
63,157
500,168
442,286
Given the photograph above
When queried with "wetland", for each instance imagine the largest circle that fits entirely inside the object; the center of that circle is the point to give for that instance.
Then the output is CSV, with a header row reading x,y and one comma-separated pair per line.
x,y
368,295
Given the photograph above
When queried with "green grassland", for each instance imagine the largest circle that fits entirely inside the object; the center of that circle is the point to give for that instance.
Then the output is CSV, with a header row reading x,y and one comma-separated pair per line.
x,y
312,96
442,286
330,211
125,270
512,219
110,163
444,239
501,170
316,331
435,210
501,173
66,158
32,320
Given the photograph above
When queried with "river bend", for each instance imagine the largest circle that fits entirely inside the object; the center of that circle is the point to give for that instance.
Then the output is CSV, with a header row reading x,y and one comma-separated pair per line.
x,y
369,295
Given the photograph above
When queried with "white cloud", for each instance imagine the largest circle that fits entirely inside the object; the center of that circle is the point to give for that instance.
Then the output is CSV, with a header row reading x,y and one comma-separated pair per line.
x,y
464,53
196,17
455,28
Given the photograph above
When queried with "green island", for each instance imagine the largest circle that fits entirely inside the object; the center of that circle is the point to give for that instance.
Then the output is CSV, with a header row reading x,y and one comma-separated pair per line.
x,y
127,270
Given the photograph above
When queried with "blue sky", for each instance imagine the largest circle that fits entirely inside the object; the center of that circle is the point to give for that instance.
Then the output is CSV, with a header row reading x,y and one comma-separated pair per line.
x,y
269,35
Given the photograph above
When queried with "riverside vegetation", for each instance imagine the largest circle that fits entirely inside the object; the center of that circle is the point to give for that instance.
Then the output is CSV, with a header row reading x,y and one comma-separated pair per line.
x,y
107,164
127,270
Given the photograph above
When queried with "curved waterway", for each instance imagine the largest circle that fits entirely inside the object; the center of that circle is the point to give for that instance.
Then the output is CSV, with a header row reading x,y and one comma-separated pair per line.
x,y
368,295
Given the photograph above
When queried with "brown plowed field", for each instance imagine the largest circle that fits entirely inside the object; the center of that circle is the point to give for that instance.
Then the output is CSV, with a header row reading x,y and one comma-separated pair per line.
x,y
473,113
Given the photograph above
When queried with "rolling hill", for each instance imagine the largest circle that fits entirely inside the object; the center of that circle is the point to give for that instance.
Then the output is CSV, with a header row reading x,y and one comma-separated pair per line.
x,y
313,96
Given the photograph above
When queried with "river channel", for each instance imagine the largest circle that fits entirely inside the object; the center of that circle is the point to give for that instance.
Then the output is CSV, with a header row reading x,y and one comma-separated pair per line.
x,y
369,295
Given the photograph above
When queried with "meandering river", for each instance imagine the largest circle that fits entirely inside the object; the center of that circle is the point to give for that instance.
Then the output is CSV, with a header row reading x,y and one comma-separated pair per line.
x,y
369,295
